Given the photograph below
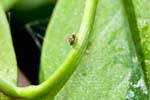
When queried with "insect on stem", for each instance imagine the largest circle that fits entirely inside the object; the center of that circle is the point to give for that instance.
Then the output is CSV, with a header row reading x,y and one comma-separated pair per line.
x,y
72,39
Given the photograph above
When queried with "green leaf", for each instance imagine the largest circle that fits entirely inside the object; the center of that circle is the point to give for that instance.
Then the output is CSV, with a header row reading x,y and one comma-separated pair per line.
x,y
7,4
112,67
143,19
33,4
61,75
53,55
8,66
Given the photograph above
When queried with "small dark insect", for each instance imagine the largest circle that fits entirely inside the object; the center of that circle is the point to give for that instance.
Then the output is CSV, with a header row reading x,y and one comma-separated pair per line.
x,y
71,39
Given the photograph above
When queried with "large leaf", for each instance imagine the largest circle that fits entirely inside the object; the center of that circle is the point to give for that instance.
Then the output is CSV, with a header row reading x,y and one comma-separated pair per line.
x,y
111,67
8,66
54,53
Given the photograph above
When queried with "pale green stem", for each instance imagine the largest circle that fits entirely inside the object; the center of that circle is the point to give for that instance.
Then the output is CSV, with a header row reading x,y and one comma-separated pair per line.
x,y
52,85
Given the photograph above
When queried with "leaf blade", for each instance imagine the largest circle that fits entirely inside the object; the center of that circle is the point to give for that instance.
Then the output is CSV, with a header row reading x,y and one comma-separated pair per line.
x,y
110,49
8,66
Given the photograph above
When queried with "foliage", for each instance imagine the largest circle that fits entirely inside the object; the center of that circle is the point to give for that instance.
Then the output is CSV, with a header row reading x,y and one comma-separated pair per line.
x,y
109,60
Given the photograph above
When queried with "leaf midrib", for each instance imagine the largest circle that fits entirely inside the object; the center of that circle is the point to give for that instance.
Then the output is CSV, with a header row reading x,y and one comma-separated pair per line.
x,y
136,51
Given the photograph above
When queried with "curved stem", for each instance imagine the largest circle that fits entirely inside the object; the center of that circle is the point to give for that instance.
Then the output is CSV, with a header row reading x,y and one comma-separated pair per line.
x,y
63,73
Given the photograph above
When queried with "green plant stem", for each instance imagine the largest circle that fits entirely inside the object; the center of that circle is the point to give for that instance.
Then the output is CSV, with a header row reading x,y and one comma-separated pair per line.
x,y
52,85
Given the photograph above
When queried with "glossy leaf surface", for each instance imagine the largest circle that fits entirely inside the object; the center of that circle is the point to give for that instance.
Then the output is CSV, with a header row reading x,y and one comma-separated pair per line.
x,y
111,67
